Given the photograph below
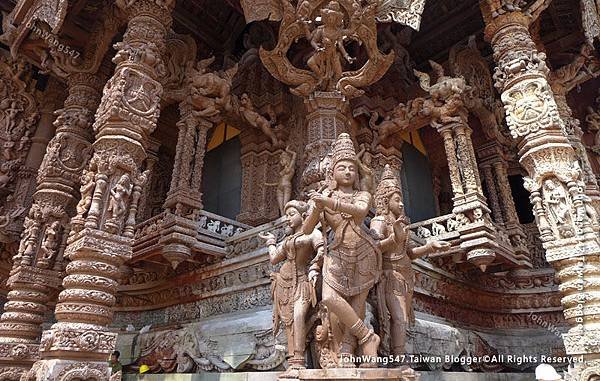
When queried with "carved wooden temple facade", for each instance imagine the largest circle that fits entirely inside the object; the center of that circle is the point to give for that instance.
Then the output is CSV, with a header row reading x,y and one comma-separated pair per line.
x,y
150,150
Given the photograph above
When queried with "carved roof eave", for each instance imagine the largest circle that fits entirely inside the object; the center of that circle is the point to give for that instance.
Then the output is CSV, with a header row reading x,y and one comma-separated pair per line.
x,y
388,11
27,12
61,65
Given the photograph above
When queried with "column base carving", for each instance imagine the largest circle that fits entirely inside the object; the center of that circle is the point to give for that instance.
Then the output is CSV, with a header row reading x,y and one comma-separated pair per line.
x,y
69,340
63,370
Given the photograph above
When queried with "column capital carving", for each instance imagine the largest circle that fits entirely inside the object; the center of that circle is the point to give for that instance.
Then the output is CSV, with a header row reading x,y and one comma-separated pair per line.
x,y
494,25
160,10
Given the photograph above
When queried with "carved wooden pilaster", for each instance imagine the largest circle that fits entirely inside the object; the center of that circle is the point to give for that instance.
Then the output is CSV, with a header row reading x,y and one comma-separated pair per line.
x,y
184,199
102,232
449,147
488,177
564,214
145,209
37,265
464,174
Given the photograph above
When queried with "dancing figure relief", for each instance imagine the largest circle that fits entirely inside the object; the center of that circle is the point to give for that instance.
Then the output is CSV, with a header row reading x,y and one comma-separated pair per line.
x,y
328,27
119,196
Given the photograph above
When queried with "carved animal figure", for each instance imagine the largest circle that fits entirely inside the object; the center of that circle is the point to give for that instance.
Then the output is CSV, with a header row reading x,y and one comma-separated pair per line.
x,y
213,226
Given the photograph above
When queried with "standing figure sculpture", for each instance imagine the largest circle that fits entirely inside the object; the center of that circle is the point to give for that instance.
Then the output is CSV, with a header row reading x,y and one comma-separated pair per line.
x,y
119,195
284,186
397,283
293,286
353,261
328,42
365,159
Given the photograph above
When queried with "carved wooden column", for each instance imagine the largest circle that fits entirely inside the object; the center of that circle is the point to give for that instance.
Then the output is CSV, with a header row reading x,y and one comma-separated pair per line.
x,y
184,199
562,81
37,266
145,209
488,177
449,147
563,212
464,174
325,120
77,346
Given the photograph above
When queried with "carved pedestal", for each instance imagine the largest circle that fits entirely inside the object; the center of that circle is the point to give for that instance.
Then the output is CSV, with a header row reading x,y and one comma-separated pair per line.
x,y
562,210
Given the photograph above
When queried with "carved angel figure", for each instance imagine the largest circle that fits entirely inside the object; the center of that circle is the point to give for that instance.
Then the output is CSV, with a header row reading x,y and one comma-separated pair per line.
x,y
365,159
248,112
396,286
284,185
293,286
119,195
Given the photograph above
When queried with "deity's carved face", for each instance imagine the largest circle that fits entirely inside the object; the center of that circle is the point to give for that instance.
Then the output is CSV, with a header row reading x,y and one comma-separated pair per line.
x,y
344,173
395,204
294,217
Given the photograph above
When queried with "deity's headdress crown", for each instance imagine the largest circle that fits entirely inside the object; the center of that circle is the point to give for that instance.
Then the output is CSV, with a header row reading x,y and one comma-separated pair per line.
x,y
343,149
388,185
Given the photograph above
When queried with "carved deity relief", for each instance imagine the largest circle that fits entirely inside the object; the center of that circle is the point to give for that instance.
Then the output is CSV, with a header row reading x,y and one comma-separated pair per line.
x,y
466,61
248,113
328,26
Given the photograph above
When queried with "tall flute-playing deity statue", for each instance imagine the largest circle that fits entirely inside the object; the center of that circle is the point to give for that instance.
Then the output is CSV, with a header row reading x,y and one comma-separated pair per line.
x,y
352,263
397,283
293,287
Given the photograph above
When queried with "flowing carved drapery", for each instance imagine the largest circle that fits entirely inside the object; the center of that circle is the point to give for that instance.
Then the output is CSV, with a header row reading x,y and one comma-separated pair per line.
x,y
566,220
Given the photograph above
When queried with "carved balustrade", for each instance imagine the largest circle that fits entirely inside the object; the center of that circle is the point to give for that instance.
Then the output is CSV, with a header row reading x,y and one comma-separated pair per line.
x,y
566,219
451,228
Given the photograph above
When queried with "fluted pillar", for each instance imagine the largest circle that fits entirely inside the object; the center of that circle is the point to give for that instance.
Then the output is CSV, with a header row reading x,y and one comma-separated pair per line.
x,y
78,344
37,266
563,212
